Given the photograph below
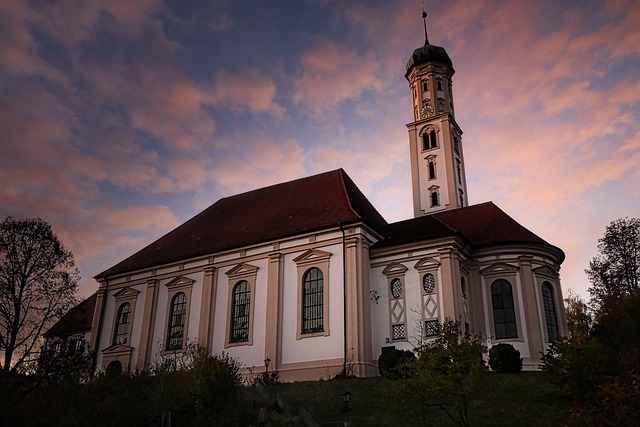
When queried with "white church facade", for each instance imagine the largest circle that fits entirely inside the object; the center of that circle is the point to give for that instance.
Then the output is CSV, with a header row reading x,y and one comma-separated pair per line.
x,y
308,276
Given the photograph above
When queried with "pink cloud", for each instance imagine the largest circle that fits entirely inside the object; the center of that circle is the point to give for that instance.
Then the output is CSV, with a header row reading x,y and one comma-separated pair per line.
x,y
249,90
327,76
157,98
270,163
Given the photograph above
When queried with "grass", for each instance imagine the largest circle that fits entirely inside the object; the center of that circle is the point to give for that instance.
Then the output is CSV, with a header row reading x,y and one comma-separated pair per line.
x,y
523,399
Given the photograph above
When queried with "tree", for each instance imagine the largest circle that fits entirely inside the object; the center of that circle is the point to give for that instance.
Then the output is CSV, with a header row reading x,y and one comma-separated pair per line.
x,y
578,317
447,371
598,364
615,272
38,283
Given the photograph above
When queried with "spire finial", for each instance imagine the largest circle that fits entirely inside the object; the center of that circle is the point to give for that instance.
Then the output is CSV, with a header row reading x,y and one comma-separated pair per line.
x,y
424,20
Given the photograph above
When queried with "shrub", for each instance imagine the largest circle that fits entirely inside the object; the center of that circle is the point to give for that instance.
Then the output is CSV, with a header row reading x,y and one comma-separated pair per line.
x,y
505,358
448,370
395,364
578,367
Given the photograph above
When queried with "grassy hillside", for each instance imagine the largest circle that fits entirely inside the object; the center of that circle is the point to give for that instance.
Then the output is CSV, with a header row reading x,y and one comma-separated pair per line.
x,y
524,399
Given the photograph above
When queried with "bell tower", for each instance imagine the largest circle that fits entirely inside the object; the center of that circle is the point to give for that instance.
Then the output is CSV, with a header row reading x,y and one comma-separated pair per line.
x,y
438,175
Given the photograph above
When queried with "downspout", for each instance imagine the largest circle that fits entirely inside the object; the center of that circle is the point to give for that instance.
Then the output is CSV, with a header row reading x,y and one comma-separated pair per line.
x,y
94,360
344,298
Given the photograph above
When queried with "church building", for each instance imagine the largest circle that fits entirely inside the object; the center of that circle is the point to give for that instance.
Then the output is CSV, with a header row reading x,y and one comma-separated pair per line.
x,y
305,278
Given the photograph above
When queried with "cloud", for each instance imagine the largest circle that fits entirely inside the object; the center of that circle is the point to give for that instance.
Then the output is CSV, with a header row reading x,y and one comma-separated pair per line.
x,y
220,22
108,233
102,110
331,73
268,162
249,90
551,133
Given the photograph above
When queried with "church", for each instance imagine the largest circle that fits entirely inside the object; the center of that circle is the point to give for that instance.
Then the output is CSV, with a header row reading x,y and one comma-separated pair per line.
x,y
305,278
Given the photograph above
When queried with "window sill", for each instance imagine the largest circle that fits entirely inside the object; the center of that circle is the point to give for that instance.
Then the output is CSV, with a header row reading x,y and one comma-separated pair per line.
x,y
312,334
238,344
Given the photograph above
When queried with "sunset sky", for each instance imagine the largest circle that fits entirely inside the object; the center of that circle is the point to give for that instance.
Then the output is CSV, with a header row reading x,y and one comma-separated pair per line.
x,y
121,119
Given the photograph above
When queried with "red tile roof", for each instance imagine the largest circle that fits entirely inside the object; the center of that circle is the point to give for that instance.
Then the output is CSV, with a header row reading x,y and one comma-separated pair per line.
x,y
314,203
281,210
78,319
481,225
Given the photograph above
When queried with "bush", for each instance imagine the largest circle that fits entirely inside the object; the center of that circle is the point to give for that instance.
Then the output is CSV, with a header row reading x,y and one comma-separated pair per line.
x,y
395,364
194,390
578,367
448,371
505,358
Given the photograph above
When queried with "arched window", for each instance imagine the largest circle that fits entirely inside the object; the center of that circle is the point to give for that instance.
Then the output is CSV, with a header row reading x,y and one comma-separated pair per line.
x,y
240,311
504,316
550,311
177,317
433,143
121,335
428,283
434,198
396,288
313,301
429,139
432,169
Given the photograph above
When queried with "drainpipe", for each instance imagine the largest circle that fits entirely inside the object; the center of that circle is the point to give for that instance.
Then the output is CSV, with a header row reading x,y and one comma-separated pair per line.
x,y
344,298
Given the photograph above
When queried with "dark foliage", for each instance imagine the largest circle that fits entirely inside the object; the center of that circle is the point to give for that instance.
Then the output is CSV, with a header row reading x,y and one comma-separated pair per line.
x,y
598,367
579,319
615,272
447,372
504,358
395,364
208,392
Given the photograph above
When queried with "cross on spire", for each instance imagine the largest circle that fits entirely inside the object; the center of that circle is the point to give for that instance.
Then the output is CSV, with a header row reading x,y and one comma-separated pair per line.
x,y
424,20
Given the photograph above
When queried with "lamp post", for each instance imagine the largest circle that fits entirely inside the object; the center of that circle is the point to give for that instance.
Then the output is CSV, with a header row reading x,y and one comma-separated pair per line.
x,y
346,398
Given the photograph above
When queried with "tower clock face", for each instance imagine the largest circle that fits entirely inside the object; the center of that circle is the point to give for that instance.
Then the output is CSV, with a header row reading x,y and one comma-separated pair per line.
x,y
427,110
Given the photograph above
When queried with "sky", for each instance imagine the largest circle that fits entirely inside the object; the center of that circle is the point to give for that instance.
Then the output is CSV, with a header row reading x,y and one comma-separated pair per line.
x,y
120,119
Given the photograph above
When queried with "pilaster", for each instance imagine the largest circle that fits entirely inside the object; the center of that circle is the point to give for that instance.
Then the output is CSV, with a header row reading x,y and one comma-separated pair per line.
x,y
357,308
274,308
447,285
146,334
207,309
98,316
534,336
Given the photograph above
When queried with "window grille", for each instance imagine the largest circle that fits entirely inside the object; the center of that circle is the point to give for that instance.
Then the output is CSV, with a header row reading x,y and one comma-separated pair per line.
x,y
240,312
122,324
430,328
398,332
396,288
428,283
550,311
313,301
504,316
177,317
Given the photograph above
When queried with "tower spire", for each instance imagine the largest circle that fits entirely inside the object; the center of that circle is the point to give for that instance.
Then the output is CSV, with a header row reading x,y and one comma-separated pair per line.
x,y
424,20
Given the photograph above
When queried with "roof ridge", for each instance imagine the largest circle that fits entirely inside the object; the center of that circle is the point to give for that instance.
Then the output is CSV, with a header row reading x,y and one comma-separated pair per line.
x,y
341,174
279,184
455,230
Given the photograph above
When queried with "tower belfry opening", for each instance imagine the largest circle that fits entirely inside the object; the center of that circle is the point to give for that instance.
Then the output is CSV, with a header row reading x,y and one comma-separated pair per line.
x,y
434,136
